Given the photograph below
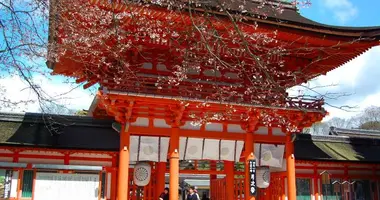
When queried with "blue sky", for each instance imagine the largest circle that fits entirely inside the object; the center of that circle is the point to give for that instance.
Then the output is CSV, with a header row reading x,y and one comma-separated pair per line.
x,y
360,75
344,12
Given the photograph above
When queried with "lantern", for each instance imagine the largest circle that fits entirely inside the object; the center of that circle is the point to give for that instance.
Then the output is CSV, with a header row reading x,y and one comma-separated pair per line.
x,y
262,177
337,188
325,176
346,188
141,174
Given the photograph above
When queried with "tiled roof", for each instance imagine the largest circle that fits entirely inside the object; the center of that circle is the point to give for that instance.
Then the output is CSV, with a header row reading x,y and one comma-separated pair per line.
x,y
355,132
337,148
288,15
57,131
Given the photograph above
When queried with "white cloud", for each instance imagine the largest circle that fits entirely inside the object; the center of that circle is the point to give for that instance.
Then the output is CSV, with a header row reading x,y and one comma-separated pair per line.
x,y
370,100
343,10
18,90
359,78
347,74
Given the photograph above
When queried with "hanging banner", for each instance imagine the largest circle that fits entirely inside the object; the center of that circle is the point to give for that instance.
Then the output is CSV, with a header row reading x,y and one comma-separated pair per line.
x,y
7,183
252,174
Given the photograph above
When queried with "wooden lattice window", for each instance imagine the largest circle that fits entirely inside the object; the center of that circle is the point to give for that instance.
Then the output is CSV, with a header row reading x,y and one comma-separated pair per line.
x,y
27,183
303,189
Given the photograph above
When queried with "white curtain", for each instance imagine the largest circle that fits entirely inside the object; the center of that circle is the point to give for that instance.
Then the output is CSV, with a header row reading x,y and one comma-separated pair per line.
x,y
271,155
191,148
146,148
149,149
211,155
66,186
210,149
227,150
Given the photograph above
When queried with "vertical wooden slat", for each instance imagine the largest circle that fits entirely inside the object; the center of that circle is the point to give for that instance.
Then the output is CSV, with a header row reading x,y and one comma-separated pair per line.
x,y
27,185
113,184
100,186
34,182
19,183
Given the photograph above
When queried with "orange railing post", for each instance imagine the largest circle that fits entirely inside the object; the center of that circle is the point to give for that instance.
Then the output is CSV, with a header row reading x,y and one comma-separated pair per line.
x,y
160,177
174,164
291,168
229,169
123,179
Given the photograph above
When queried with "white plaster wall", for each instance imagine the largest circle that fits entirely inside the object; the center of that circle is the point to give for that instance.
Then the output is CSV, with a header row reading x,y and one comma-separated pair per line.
x,y
189,126
332,171
277,131
235,128
262,130
214,127
91,155
6,159
33,152
160,123
41,161
91,163
141,121
304,171
5,151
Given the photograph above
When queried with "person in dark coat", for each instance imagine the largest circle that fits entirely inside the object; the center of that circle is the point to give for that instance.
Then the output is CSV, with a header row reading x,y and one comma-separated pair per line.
x,y
165,195
204,197
192,194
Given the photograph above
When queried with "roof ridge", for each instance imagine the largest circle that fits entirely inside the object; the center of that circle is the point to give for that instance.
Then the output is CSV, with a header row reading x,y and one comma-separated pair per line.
x,y
337,139
54,118
354,129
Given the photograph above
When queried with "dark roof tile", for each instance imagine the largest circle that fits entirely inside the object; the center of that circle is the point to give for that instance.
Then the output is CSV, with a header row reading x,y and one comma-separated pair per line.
x,y
57,131
337,148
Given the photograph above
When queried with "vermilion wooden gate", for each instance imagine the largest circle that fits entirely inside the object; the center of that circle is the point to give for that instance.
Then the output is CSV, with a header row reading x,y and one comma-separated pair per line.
x,y
275,191
218,189
239,189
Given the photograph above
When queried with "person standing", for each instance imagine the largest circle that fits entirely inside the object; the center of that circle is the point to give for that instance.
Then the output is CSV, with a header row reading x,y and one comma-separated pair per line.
x,y
192,194
164,195
204,197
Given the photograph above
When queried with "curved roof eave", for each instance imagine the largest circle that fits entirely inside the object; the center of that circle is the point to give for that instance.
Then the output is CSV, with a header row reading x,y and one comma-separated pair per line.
x,y
290,17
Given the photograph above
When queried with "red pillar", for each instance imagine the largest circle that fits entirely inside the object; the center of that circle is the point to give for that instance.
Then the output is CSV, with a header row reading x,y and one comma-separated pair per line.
x,y
160,177
316,185
283,197
113,184
123,179
229,169
174,164
213,168
213,177
249,150
290,166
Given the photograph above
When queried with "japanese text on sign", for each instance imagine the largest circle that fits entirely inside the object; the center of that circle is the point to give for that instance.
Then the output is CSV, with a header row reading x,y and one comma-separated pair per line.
x,y
252,174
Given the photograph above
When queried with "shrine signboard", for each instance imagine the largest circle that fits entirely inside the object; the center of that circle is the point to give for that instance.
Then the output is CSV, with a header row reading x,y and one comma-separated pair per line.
x,y
252,174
